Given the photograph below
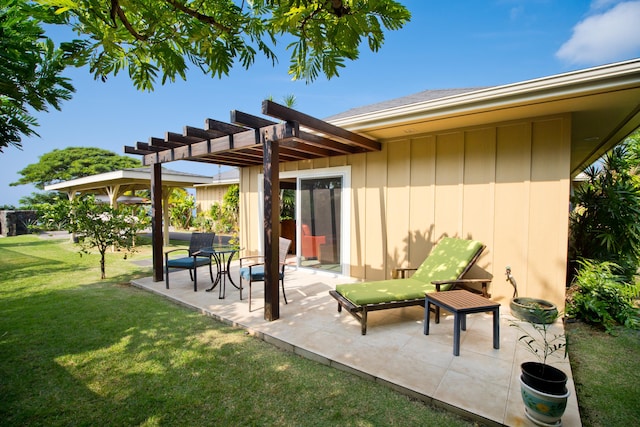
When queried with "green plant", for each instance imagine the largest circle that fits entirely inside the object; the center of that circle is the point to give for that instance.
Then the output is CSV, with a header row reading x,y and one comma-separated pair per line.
x,y
225,214
103,227
605,222
287,204
602,297
538,338
181,206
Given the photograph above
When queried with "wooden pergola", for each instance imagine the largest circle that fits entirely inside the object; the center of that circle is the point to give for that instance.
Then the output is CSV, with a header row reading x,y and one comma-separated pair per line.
x,y
249,141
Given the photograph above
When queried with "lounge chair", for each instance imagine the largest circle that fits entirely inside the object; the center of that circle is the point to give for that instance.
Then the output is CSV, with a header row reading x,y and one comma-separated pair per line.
x,y
443,270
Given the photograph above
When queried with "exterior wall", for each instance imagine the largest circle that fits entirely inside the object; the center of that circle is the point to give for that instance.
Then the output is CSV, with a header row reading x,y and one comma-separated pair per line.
x,y
504,184
206,196
14,223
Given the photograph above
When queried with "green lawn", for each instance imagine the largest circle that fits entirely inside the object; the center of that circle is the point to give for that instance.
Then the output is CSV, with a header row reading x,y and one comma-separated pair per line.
x,y
606,371
75,350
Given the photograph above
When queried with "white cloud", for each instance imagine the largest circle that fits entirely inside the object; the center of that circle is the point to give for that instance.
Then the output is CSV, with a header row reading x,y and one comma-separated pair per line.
x,y
609,36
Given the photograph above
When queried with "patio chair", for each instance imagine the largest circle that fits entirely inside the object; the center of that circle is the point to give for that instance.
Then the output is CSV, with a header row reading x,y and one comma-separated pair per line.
x,y
311,244
252,268
443,269
195,259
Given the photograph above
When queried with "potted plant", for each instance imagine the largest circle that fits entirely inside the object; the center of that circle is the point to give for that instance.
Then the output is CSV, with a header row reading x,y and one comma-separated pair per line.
x,y
543,387
530,309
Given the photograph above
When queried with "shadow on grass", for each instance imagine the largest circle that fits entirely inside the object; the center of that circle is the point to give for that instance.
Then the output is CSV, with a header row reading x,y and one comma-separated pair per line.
x,y
107,354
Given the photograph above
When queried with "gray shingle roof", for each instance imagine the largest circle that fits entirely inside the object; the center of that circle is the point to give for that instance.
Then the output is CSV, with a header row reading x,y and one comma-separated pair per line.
x,y
427,95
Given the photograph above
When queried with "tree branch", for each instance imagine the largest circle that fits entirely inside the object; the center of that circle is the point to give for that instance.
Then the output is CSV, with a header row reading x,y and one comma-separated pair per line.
x,y
117,10
199,16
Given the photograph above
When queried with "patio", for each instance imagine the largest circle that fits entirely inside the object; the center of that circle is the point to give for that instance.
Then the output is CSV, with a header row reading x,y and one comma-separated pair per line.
x,y
481,383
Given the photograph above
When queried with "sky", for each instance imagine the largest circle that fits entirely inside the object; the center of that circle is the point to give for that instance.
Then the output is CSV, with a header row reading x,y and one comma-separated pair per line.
x,y
446,45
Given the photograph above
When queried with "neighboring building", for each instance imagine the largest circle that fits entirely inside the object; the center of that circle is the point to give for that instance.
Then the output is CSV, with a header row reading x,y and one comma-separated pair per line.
x,y
114,184
209,194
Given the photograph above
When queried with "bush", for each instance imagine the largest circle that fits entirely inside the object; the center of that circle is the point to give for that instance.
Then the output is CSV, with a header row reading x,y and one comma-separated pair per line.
x,y
605,223
601,296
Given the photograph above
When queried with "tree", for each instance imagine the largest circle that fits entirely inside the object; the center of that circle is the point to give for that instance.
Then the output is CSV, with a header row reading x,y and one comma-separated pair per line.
x,y
157,37
99,225
71,163
30,70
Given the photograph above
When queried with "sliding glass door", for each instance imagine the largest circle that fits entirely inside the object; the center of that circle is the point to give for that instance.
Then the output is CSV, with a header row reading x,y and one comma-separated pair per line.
x,y
314,214
320,222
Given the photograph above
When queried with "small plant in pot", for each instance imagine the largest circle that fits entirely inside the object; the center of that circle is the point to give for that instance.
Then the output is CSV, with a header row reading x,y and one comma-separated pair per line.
x,y
543,387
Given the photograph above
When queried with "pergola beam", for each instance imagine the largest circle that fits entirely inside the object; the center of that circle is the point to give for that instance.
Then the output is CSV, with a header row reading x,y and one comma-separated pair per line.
x,y
251,141
272,109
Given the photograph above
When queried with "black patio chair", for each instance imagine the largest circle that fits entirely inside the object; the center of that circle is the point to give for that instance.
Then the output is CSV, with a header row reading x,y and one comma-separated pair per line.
x,y
198,256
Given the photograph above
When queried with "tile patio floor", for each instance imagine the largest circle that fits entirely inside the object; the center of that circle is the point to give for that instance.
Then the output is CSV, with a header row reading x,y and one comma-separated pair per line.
x,y
481,383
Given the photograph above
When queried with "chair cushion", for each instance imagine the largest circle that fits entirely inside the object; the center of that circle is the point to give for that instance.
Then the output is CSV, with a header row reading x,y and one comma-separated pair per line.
x,y
187,262
257,273
384,291
447,260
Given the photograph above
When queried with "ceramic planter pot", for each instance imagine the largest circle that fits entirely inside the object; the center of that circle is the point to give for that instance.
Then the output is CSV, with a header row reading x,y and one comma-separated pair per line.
x,y
545,378
543,408
533,310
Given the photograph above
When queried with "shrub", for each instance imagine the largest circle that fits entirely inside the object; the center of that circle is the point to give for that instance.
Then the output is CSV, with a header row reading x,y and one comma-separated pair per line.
x,y
601,296
605,223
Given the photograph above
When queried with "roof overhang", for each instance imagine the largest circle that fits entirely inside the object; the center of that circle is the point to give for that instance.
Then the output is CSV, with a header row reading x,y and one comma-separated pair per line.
x,y
127,179
604,103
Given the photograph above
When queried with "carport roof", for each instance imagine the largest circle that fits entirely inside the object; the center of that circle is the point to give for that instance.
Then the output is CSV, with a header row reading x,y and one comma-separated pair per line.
x,y
127,179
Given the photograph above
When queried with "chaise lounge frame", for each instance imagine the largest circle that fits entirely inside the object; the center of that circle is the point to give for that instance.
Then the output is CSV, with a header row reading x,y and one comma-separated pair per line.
x,y
360,311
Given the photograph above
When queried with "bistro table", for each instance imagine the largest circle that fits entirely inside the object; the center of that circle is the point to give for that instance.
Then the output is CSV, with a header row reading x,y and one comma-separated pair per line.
x,y
461,303
222,254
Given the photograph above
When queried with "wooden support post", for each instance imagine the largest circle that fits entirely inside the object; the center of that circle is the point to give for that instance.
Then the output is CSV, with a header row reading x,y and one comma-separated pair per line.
x,y
271,228
156,221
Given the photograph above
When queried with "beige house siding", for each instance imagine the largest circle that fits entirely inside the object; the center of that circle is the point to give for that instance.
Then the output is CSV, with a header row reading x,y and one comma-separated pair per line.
x,y
207,196
506,185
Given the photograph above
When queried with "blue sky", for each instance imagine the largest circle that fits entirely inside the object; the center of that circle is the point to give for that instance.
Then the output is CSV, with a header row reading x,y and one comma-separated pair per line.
x,y
446,45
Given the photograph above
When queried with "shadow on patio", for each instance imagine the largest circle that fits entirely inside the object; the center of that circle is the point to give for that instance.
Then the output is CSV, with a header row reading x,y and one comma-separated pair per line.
x,y
482,383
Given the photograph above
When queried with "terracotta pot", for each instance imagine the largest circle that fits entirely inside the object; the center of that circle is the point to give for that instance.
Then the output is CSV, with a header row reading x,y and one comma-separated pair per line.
x,y
533,310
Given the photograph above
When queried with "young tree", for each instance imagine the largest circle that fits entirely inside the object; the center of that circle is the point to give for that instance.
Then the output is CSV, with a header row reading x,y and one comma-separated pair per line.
x,y
156,37
71,163
102,227
30,70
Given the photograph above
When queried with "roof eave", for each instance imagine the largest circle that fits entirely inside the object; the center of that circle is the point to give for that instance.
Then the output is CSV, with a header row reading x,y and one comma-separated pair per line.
x,y
544,89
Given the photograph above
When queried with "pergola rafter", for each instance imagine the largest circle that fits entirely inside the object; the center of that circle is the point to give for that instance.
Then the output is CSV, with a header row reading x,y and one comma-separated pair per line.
x,y
250,141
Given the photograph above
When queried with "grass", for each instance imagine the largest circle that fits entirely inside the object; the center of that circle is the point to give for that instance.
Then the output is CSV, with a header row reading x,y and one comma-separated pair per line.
x,y
606,371
75,350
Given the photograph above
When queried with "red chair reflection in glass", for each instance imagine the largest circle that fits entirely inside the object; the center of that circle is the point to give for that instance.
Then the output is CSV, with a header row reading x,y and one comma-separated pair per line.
x,y
311,244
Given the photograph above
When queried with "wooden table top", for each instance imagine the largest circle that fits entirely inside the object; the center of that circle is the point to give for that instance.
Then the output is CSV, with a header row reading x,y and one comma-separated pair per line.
x,y
461,299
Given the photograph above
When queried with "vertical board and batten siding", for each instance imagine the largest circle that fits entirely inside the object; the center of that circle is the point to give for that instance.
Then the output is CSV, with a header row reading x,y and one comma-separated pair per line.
x,y
206,196
504,184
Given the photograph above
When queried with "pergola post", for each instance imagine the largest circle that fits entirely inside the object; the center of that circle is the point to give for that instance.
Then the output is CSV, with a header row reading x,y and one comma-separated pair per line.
x,y
271,228
156,221
166,193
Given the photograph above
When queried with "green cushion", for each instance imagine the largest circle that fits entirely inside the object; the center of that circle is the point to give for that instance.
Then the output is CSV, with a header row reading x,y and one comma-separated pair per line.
x,y
384,291
447,261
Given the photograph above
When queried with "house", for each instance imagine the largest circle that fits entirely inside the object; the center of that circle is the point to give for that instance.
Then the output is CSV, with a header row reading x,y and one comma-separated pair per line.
x,y
213,192
378,186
